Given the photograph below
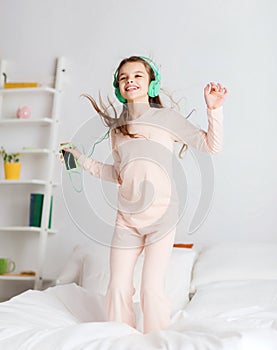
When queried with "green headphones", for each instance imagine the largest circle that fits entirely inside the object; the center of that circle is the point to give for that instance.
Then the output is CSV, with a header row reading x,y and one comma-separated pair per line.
x,y
154,86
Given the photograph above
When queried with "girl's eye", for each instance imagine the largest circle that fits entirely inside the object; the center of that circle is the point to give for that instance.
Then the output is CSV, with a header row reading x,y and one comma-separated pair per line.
x,y
122,78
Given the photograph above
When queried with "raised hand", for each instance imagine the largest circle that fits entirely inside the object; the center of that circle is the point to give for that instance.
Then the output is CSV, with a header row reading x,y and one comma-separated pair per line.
x,y
214,95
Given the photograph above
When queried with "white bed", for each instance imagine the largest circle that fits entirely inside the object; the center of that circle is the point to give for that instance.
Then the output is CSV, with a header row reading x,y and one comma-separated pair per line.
x,y
233,305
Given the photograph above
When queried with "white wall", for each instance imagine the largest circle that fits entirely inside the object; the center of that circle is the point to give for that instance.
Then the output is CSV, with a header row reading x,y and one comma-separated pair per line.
x,y
194,42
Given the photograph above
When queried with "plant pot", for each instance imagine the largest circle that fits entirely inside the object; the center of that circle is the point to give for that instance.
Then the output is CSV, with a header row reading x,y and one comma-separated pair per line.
x,y
12,171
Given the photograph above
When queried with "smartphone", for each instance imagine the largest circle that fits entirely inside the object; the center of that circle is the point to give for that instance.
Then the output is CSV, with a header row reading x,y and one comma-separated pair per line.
x,y
69,160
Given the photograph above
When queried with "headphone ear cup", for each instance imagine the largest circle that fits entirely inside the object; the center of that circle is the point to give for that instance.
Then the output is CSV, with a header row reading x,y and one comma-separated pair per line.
x,y
119,96
154,88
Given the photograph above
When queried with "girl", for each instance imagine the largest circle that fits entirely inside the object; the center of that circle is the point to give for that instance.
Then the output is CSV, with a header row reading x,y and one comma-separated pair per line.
x,y
142,138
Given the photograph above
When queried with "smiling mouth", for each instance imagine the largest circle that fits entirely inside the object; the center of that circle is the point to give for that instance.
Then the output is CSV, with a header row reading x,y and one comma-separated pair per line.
x,y
131,88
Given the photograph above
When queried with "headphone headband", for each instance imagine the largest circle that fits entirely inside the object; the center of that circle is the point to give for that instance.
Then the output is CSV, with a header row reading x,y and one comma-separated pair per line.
x,y
154,86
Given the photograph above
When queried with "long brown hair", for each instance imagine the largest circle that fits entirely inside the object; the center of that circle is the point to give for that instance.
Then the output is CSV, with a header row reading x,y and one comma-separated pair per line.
x,y
119,123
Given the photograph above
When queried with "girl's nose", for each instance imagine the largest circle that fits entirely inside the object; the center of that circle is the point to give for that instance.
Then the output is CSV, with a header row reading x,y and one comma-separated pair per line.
x,y
130,80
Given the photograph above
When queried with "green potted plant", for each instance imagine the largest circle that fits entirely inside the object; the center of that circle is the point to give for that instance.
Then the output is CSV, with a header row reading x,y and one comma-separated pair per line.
x,y
12,166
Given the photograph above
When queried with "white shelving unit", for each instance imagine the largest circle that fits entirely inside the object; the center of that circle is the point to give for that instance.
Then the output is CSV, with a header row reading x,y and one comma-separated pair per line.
x,y
46,152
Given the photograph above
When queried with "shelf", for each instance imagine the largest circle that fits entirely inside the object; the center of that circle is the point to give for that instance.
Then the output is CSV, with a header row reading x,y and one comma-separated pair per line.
x,y
17,278
38,151
27,182
24,229
28,90
15,121
23,182
24,278
35,151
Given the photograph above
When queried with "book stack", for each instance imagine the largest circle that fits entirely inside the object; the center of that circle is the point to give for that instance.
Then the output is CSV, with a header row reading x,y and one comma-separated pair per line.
x,y
36,205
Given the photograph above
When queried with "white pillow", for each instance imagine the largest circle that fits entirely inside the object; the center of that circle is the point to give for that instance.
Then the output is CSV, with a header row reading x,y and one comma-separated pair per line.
x,y
96,275
233,298
72,271
235,261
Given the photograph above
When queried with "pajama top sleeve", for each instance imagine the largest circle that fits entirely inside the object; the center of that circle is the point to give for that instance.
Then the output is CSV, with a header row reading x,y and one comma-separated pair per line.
x,y
182,130
207,141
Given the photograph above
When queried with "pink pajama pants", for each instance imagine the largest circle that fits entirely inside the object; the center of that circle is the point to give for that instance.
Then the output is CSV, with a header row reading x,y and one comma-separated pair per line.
x,y
154,302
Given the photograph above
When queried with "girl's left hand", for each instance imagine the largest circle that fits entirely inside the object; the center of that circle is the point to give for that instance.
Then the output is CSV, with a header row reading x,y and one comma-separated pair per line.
x,y
214,95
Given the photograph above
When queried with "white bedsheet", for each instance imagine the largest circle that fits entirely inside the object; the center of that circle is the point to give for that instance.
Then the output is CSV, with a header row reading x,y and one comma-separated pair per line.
x,y
67,317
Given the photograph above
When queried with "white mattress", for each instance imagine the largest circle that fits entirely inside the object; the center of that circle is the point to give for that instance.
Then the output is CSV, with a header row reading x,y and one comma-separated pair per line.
x,y
68,317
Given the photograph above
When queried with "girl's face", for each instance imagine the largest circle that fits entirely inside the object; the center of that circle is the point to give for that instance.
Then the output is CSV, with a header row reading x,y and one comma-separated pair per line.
x,y
133,82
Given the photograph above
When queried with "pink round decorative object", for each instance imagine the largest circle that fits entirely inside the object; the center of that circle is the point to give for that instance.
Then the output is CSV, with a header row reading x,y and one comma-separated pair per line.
x,y
23,112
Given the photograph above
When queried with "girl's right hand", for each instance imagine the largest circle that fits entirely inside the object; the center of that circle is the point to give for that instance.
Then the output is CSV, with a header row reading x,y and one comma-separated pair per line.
x,y
74,151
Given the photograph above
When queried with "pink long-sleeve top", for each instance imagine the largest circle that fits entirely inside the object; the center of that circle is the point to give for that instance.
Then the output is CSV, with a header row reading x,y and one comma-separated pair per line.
x,y
143,166
159,129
